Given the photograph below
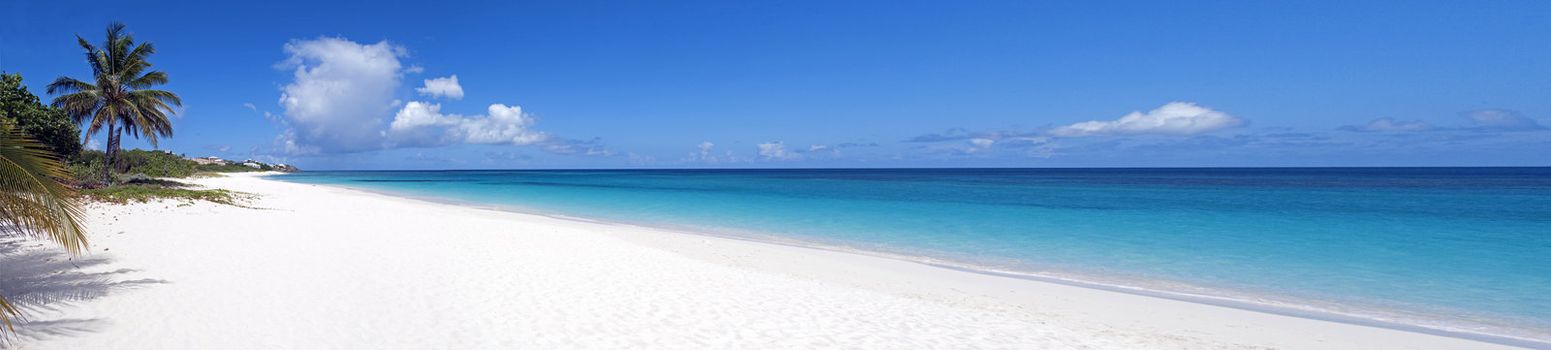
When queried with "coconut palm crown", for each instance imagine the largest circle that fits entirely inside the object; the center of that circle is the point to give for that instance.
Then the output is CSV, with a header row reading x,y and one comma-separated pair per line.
x,y
120,95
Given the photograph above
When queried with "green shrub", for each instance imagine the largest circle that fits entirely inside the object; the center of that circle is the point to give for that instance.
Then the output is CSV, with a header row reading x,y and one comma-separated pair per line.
x,y
87,169
46,124
87,166
153,164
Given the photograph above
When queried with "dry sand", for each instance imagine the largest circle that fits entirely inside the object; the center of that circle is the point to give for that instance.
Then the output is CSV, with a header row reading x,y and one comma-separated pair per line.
x,y
317,267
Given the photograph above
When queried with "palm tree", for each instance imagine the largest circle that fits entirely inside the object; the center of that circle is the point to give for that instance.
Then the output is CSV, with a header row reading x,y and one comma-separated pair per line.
x,y
120,95
33,201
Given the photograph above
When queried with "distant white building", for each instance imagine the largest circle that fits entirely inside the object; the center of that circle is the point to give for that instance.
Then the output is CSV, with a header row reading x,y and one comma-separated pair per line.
x,y
251,164
210,160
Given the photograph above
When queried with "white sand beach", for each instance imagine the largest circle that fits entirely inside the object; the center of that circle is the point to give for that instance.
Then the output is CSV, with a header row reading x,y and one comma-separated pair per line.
x,y
317,267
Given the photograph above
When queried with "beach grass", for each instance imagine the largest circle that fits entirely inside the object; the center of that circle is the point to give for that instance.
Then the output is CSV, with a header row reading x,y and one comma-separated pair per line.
x,y
145,192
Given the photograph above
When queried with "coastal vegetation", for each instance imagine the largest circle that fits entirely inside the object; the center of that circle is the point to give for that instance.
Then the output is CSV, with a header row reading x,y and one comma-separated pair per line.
x,y
135,163
44,123
141,164
44,171
120,95
141,176
119,98
140,191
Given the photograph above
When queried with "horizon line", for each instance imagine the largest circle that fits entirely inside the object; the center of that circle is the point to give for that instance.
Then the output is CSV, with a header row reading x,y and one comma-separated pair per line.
x,y
979,168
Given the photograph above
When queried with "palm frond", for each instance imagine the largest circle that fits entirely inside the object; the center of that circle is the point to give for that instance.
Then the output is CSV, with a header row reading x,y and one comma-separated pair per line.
x,y
30,172
7,312
65,85
147,80
32,201
92,54
164,96
150,119
117,46
78,105
78,102
102,116
135,61
135,119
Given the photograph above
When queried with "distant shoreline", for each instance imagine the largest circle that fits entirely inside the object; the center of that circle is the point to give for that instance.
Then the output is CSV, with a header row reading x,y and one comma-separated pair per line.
x,y
968,168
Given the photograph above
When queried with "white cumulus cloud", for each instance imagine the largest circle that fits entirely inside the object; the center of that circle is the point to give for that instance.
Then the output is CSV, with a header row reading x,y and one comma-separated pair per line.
x,y
705,152
442,87
343,99
423,124
502,125
774,151
1174,118
340,93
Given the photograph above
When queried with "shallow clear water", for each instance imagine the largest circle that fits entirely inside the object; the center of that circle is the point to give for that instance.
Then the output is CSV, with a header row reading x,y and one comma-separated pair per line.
x,y
1462,248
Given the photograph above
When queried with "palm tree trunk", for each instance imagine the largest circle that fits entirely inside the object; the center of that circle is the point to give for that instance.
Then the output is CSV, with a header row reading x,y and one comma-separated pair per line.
x,y
111,157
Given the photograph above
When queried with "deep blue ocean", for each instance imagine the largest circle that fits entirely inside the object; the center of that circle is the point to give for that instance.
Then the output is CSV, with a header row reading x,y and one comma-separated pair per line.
x,y
1452,248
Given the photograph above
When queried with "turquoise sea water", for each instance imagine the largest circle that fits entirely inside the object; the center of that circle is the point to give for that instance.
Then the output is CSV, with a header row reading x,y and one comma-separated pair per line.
x,y
1458,249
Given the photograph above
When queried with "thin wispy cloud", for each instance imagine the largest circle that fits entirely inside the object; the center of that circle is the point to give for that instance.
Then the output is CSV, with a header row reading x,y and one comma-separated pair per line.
x,y
1502,119
1174,118
1481,122
1390,125
590,147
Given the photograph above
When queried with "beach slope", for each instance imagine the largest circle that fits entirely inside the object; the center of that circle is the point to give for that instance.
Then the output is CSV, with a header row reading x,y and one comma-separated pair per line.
x,y
317,267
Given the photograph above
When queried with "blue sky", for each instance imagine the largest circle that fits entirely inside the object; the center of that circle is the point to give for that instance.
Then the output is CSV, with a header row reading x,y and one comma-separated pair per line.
x,y
613,84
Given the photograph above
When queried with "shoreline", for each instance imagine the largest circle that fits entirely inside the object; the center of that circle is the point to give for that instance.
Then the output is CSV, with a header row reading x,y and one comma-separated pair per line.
x,y
327,266
1273,306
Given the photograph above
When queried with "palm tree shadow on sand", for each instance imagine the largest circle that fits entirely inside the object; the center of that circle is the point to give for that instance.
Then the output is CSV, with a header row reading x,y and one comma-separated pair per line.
x,y
40,278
